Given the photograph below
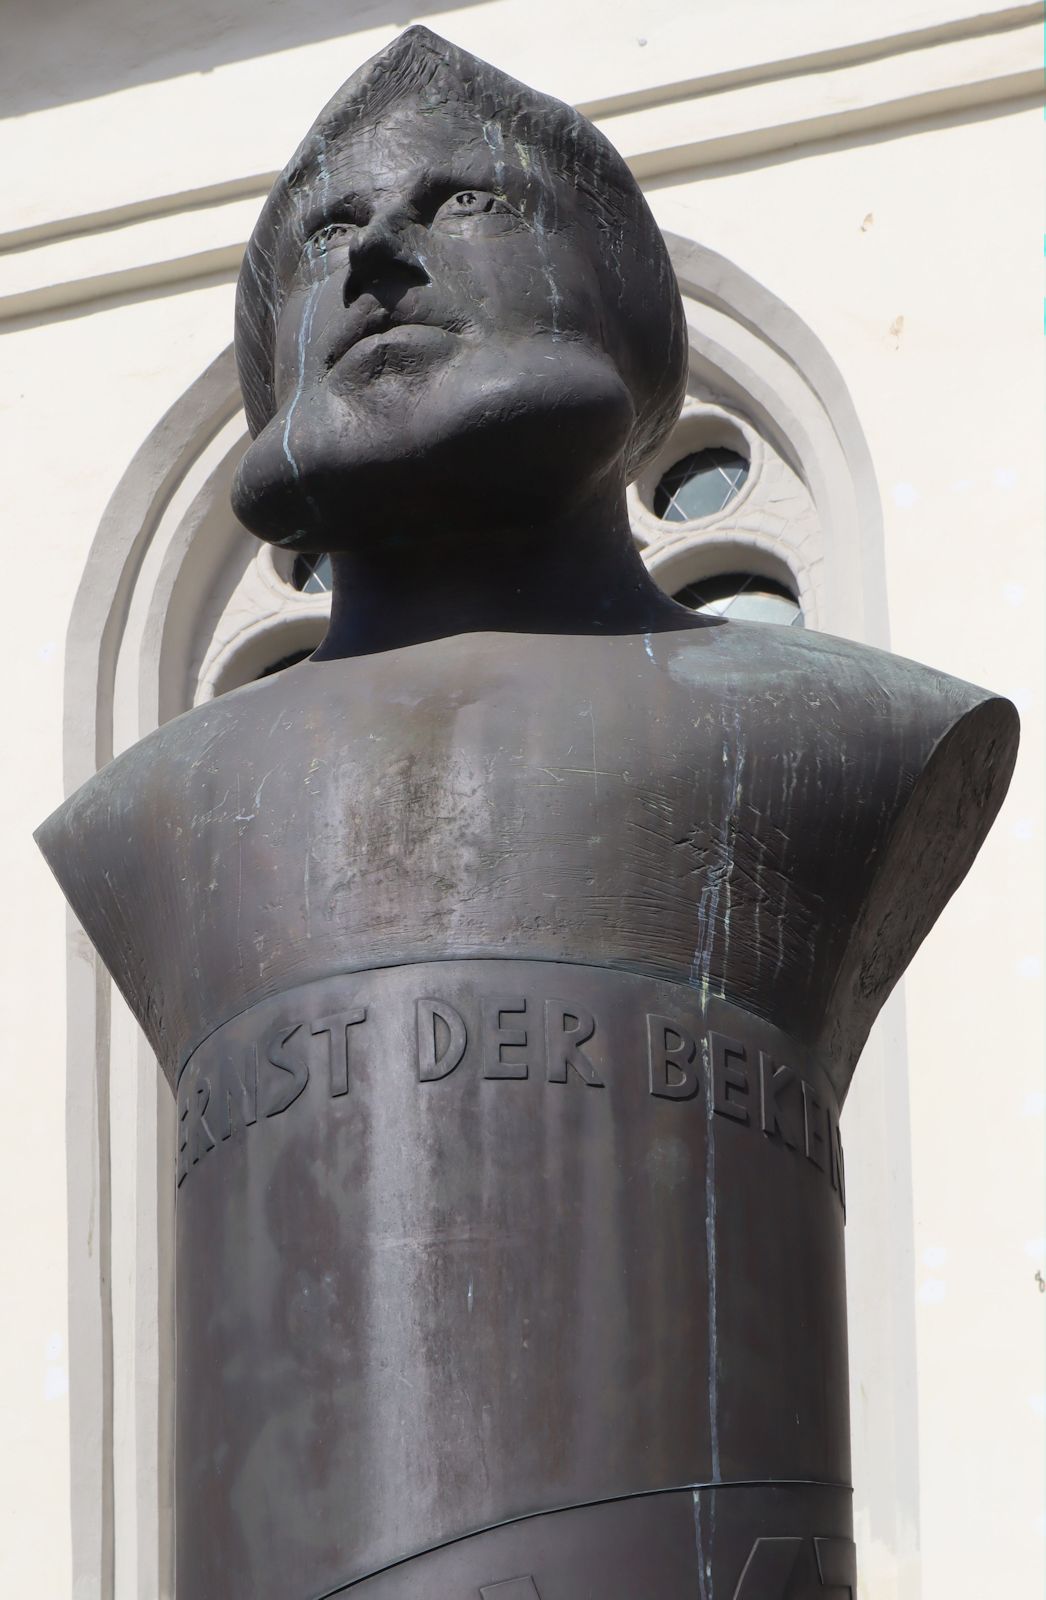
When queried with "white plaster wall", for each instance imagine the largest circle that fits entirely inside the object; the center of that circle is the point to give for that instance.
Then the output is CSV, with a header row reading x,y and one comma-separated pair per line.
x,y
79,395
917,260
259,88
912,250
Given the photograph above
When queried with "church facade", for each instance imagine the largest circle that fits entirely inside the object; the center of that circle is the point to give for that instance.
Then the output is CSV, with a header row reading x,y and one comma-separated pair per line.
x,y
845,194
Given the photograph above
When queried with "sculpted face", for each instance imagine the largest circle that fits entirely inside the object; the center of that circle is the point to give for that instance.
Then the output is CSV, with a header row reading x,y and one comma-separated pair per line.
x,y
442,349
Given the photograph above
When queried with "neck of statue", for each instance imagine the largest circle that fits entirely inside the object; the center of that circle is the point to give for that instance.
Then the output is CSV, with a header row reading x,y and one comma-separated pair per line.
x,y
579,573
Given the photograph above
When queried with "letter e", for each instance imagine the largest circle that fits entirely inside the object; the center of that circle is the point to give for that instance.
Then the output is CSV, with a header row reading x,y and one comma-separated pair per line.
x,y
727,1077
495,1009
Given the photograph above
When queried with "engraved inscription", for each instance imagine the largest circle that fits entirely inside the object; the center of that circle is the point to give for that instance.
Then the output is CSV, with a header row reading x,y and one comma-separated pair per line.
x,y
837,1565
768,1570
194,1135
787,1569
442,1039
182,1152
792,1112
671,1059
774,1081
813,1131
235,1095
501,1037
226,1100
729,1077
337,1032
567,1028
294,1067
233,1082
835,1160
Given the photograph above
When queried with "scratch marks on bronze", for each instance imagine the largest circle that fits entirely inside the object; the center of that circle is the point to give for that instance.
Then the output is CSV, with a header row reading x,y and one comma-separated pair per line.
x,y
543,226
495,142
754,908
304,339
704,1565
478,1430
718,869
733,773
239,899
306,887
711,1245
558,774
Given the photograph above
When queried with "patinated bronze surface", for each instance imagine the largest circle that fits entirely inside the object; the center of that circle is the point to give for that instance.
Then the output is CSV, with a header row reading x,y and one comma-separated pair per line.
x,y
510,958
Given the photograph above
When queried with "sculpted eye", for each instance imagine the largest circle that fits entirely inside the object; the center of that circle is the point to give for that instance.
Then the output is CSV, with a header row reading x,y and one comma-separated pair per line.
x,y
329,237
470,206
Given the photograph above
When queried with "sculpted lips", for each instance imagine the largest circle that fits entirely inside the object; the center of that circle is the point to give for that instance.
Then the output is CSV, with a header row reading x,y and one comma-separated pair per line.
x,y
375,320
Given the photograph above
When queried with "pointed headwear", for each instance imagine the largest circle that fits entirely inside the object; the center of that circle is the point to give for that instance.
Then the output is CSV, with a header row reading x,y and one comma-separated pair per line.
x,y
645,329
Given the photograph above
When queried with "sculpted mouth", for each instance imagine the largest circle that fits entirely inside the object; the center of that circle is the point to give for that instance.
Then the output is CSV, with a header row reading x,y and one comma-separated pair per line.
x,y
384,326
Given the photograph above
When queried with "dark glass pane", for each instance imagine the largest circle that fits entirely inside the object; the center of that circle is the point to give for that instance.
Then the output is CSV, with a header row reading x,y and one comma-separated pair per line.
x,y
700,485
743,597
312,574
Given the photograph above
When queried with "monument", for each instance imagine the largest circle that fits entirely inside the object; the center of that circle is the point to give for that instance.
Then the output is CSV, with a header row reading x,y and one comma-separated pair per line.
x,y
509,958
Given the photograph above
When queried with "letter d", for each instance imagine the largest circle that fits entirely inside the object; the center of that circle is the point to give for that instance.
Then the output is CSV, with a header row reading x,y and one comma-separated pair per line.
x,y
434,1062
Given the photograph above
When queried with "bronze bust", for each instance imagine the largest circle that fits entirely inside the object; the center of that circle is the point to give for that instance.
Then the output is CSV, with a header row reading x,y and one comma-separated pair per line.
x,y
511,957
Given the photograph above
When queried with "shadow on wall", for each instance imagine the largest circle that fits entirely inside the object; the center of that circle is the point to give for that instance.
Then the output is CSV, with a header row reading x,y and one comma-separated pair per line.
x,y
55,53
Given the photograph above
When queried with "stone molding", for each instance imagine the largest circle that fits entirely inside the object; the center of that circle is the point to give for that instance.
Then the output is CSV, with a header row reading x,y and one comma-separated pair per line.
x,y
873,85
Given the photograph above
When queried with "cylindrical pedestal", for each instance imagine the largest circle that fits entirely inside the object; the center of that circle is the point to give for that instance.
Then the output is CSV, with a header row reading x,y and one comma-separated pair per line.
x,y
509,1278
683,1543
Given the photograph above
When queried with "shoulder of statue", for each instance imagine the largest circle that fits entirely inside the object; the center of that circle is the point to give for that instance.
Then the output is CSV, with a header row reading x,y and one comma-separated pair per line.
x,y
868,782
948,738
883,688
119,845
147,785
874,706
941,752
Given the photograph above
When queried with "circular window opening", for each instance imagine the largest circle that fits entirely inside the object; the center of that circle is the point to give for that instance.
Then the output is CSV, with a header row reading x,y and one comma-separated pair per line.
x,y
286,661
744,597
700,485
312,575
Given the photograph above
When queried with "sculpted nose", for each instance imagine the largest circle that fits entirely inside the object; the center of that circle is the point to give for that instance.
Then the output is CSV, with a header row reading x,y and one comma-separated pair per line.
x,y
382,256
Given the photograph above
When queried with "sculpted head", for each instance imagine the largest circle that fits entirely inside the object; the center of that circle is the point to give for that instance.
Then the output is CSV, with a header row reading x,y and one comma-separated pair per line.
x,y
455,301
